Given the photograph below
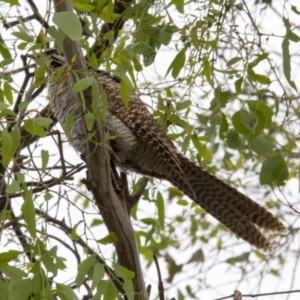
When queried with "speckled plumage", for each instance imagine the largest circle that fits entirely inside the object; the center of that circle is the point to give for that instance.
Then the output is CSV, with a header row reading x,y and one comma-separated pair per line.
x,y
141,145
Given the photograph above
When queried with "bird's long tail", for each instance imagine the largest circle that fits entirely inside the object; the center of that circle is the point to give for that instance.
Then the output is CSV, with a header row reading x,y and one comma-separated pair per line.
x,y
240,214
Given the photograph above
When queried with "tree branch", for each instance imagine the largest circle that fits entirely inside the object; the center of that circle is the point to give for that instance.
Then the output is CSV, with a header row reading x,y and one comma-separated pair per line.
x,y
100,45
112,209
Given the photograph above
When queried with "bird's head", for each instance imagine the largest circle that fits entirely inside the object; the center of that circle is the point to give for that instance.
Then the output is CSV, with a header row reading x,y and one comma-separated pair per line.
x,y
50,57
56,59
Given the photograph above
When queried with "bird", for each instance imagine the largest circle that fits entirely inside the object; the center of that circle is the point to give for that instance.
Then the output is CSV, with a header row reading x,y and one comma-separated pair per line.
x,y
141,145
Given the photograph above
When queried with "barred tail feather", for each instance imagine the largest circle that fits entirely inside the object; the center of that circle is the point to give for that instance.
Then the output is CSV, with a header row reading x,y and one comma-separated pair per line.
x,y
244,217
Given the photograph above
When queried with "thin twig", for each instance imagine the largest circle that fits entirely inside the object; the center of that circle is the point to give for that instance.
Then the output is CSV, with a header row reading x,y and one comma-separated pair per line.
x,y
28,76
37,15
100,45
260,295
141,189
43,185
8,25
160,282
64,227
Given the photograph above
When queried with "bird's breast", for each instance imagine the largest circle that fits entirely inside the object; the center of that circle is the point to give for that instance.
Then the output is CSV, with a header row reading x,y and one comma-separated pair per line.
x,y
66,106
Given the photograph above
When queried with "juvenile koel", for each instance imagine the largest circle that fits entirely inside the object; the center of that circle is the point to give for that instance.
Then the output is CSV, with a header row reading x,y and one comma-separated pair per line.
x,y
141,145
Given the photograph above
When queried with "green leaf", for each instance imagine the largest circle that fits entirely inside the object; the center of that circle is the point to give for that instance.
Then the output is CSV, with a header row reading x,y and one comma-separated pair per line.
x,y
233,61
98,274
23,35
89,120
49,264
258,60
295,10
177,64
4,106
28,211
42,40
12,272
107,289
4,291
111,238
264,109
236,259
82,84
10,143
233,140
207,70
8,93
299,177
69,124
65,292
254,77
14,187
221,96
40,287
165,34
58,36
48,196
293,37
83,269
6,257
239,162
203,151
20,289
96,222
45,159
260,255
60,263
69,23
197,256
129,289
179,4
107,12
95,96
274,170
6,142
183,105
286,55
160,204
74,235
125,92
15,135
39,76
22,46
104,104
124,273
149,221
43,121
223,127
243,121
23,105
12,2
275,272
149,235
238,85
35,126
261,145
4,52
83,7
102,289
182,202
